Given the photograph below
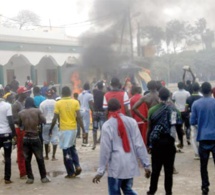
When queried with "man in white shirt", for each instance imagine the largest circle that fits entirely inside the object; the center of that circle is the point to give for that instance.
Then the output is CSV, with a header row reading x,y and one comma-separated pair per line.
x,y
47,108
180,97
121,146
7,132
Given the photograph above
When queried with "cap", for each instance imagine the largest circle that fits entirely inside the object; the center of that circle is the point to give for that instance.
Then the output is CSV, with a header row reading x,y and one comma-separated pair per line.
x,y
21,90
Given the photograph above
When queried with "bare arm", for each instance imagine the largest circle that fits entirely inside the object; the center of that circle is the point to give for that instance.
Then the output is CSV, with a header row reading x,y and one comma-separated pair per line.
x,y
136,106
193,76
127,110
15,111
11,124
42,118
91,104
183,78
54,120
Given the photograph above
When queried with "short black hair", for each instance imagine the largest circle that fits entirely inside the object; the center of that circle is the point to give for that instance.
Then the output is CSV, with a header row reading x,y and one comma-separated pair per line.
x,y
1,93
151,85
188,82
75,95
196,87
115,82
86,86
158,85
180,85
164,94
36,90
113,105
29,103
206,88
7,88
136,90
66,92
28,77
100,85
14,77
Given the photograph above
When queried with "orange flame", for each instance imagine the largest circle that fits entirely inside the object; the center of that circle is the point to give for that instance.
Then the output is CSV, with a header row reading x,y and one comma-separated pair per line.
x,y
76,82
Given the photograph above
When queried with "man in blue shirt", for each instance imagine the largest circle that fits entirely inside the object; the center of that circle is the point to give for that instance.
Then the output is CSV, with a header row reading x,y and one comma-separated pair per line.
x,y
203,115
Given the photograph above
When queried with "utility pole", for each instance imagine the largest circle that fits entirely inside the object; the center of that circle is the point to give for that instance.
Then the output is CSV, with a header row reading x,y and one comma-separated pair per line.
x,y
130,33
138,40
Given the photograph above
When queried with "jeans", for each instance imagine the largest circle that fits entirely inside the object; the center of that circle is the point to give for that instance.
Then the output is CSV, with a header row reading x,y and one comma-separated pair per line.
x,y
86,119
98,120
205,147
115,185
33,146
6,143
70,158
163,154
20,155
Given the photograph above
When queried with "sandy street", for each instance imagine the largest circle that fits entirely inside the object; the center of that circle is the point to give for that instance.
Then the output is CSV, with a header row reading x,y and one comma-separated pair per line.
x,y
187,182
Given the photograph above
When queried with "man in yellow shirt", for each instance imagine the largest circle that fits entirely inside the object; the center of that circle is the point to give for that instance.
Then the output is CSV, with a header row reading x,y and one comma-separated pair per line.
x,y
67,110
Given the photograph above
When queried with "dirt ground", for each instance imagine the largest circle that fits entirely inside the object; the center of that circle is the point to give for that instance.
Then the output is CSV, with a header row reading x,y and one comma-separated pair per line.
x,y
187,182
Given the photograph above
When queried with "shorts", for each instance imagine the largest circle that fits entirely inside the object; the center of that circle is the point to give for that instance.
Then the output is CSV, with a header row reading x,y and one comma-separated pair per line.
x,y
46,138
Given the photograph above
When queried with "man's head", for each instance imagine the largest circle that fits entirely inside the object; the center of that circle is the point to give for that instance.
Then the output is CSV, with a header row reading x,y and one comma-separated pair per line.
x,y
196,87
1,93
188,82
75,95
22,92
180,85
86,86
151,85
136,90
36,90
115,83
7,89
45,83
164,94
66,92
158,85
28,78
113,105
49,94
54,90
206,88
100,85
14,77
29,103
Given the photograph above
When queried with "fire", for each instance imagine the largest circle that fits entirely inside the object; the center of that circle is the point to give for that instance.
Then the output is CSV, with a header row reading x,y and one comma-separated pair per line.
x,y
76,82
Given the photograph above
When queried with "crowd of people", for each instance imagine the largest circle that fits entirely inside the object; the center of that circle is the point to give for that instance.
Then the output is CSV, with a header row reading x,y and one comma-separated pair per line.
x,y
132,126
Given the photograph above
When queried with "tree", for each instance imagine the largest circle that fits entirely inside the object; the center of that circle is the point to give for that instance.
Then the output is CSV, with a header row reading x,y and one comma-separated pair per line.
x,y
175,33
26,18
154,34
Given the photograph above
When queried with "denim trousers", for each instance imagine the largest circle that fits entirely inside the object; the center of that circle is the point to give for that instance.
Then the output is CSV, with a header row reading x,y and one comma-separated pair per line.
x,y
115,186
6,143
98,120
205,147
163,154
33,146
86,119
71,160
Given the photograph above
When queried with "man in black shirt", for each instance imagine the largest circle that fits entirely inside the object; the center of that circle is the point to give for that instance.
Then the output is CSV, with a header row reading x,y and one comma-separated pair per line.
x,y
98,114
189,102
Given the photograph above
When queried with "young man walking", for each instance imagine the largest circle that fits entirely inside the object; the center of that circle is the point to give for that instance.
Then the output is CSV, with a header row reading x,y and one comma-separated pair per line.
x,y
47,108
162,119
203,115
7,132
121,145
67,110
86,101
30,119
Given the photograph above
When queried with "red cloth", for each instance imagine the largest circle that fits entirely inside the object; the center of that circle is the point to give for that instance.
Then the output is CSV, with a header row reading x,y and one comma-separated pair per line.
x,y
119,95
20,155
143,107
144,111
121,130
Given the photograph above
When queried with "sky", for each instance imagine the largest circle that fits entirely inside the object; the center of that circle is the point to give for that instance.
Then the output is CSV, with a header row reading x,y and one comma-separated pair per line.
x,y
63,12
59,12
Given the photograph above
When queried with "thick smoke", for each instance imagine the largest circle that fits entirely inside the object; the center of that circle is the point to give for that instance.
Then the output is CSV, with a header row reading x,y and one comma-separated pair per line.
x,y
102,43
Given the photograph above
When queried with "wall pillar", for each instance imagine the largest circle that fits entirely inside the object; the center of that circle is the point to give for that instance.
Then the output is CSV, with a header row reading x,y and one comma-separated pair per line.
x,y
59,72
1,74
33,74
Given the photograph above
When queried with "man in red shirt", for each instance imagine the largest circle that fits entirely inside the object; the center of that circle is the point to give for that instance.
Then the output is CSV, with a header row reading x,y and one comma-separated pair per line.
x,y
143,109
120,95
